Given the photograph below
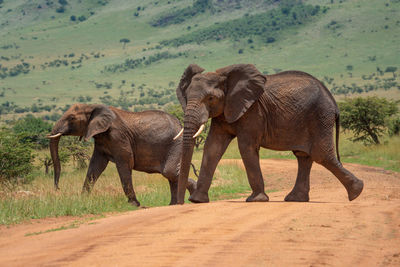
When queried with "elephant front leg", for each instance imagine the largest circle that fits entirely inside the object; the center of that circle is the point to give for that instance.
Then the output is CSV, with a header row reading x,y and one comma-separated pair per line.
x,y
125,174
173,185
249,150
97,164
215,146
301,188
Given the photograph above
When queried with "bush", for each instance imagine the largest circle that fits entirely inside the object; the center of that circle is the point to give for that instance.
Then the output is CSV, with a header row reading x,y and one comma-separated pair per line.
x,y
394,126
366,117
61,9
15,158
33,131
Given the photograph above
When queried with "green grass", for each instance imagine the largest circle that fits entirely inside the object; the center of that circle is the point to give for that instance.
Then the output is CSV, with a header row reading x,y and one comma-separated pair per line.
x,y
385,155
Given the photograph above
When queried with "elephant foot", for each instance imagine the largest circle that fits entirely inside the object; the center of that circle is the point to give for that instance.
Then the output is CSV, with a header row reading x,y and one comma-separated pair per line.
x,y
355,189
134,203
192,185
258,197
297,196
199,197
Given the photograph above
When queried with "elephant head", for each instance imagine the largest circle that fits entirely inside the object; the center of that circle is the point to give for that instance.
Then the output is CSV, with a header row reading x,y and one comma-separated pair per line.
x,y
228,92
79,120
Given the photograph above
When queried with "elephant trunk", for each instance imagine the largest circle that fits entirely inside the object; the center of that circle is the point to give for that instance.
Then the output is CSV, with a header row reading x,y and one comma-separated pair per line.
x,y
56,160
55,136
191,126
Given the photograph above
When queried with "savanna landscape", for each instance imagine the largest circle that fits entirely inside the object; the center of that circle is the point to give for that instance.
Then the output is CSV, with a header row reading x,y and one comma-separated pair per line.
x,y
131,55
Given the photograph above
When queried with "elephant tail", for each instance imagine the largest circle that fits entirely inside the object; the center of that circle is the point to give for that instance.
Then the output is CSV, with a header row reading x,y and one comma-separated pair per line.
x,y
337,122
194,170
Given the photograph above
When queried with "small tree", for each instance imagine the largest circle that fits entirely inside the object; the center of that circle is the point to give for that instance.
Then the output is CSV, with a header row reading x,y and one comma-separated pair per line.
x,y
79,153
48,162
366,117
392,70
124,41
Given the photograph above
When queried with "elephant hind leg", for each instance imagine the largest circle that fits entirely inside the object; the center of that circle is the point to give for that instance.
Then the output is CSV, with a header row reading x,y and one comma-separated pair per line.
x,y
173,185
353,185
301,188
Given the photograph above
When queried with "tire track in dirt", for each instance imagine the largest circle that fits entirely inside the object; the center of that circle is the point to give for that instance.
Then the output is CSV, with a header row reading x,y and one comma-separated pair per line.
x,y
328,230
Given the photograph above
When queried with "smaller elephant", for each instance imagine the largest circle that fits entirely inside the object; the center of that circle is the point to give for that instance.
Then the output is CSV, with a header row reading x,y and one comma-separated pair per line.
x,y
142,141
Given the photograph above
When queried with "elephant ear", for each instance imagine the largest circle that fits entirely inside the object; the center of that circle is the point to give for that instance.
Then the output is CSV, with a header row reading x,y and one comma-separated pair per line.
x,y
185,81
100,120
243,86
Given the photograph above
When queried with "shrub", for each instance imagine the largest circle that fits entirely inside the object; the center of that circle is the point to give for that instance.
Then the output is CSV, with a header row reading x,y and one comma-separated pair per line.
x,y
61,9
33,131
394,126
15,158
366,117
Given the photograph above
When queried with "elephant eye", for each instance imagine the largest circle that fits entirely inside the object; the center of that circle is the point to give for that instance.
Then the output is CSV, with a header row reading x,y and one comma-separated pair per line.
x,y
210,98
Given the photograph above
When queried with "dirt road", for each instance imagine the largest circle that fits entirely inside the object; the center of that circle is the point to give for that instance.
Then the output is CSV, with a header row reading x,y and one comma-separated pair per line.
x,y
328,230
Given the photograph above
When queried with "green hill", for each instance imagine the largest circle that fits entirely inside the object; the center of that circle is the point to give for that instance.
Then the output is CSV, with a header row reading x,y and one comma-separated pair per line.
x,y
132,53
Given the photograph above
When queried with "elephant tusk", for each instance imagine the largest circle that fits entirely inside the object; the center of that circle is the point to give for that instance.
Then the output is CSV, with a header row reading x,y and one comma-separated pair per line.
x,y
179,134
199,131
54,136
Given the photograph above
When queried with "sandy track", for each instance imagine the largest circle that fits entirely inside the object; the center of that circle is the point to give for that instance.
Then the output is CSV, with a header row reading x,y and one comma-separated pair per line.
x,y
329,230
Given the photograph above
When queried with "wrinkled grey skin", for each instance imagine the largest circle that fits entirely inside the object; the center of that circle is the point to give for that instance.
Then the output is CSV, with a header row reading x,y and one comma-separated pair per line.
x,y
141,141
286,111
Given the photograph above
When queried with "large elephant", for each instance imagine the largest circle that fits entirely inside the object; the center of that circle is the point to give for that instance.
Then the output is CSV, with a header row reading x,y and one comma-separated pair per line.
x,y
290,110
142,141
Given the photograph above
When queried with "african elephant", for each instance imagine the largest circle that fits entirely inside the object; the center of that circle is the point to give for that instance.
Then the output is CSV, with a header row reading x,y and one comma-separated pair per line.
x,y
141,141
290,110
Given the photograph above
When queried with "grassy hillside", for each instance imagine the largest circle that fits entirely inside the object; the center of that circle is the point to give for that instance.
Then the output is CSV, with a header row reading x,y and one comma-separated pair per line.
x,y
54,53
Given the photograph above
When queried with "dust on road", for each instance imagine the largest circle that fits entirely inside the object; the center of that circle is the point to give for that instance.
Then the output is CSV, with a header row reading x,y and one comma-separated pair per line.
x,y
328,230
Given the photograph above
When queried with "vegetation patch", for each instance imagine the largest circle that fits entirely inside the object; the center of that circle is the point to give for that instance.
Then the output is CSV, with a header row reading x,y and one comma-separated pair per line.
x,y
267,26
367,117
181,15
130,64
21,68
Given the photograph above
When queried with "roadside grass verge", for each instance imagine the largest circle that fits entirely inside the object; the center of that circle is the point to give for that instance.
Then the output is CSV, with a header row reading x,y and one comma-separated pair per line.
x,y
385,155
38,199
